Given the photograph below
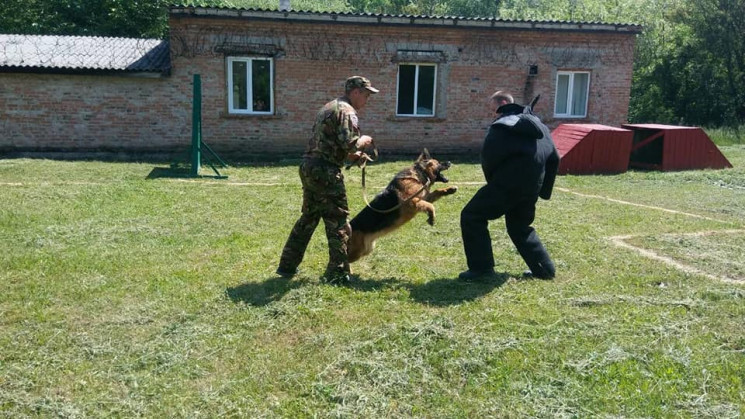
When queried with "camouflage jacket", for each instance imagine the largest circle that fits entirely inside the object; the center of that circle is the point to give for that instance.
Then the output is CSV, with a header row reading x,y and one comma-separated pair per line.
x,y
335,133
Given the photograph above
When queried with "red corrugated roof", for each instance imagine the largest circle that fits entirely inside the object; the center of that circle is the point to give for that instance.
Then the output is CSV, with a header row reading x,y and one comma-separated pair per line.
x,y
592,148
656,126
670,147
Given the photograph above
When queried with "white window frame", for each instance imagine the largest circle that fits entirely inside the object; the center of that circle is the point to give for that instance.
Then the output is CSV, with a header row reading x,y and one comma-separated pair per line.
x,y
416,90
570,95
249,85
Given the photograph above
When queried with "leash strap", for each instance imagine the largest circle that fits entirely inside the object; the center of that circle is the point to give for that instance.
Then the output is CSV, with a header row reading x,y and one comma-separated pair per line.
x,y
395,207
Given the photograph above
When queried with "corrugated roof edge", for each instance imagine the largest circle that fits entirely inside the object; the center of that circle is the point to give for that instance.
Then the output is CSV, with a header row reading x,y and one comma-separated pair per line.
x,y
155,59
403,19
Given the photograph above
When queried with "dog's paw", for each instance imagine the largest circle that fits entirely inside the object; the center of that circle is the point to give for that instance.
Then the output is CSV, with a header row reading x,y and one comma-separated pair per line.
x,y
451,190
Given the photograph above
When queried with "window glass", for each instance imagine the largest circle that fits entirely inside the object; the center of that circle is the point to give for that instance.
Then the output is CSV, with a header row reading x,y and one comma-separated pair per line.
x,y
416,89
406,85
572,93
240,93
426,91
260,85
250,85
579,94
562,93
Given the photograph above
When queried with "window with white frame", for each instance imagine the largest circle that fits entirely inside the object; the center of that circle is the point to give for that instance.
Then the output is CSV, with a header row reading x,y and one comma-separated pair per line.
x,y
572,93
416,89
250,85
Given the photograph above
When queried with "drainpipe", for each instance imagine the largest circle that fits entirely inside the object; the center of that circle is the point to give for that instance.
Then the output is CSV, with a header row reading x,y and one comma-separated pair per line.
x,y
530,83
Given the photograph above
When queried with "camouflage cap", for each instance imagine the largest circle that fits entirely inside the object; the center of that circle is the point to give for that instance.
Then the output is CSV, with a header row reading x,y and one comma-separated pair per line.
x,y
355,82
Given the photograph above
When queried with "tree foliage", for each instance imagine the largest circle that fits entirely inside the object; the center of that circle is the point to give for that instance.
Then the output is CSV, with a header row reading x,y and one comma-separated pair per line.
x,y
689,67
129,18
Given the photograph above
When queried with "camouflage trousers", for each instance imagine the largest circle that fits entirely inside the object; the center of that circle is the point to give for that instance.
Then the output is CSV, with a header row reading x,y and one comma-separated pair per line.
x,y
324,197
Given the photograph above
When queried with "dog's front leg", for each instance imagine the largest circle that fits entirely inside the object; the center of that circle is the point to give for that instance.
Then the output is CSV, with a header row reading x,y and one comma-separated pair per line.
x,y
439,193
424,206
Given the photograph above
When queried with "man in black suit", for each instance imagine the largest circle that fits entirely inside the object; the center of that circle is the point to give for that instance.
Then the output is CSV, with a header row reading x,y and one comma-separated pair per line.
x,y
519,161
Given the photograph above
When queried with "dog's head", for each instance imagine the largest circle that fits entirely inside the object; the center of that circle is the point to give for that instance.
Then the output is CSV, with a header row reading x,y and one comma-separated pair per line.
x,y
432,168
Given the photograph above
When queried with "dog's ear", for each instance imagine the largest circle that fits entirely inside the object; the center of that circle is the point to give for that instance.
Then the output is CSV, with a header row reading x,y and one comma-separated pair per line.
x,y
424,156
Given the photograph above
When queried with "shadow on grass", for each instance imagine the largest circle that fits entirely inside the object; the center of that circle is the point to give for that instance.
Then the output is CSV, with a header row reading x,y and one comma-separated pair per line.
x,y
438,292
262,293
368,285
179,172
449,291
169,172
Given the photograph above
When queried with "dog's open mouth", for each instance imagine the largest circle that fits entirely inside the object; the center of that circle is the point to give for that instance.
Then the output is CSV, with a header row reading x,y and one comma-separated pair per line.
x,y
440,177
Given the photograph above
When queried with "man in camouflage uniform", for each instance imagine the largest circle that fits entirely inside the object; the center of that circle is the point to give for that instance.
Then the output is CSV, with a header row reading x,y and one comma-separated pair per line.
x,y
336,138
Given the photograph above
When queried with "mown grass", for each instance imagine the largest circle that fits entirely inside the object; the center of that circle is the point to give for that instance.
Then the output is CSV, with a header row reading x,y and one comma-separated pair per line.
x,y
125,295
724,136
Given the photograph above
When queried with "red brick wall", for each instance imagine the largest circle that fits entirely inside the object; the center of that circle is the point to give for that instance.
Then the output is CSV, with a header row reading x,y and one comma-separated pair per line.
x,y
76,112
316,58
83,113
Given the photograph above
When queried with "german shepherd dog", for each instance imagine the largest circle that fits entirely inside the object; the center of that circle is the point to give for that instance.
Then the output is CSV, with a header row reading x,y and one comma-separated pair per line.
x,y
406,195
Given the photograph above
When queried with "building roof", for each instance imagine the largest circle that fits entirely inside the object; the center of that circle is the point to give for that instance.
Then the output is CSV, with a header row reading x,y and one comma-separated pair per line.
x,y
83,53
410,20
657,126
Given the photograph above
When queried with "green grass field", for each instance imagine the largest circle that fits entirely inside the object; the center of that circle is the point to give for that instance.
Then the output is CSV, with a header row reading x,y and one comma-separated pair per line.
x,y
126,294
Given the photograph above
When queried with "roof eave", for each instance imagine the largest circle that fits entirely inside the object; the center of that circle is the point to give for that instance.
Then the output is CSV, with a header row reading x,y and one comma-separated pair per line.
x,y
408,20
85,71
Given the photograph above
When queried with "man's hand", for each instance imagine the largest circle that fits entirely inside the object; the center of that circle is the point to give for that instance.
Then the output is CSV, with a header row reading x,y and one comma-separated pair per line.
x,y
364,141
359,159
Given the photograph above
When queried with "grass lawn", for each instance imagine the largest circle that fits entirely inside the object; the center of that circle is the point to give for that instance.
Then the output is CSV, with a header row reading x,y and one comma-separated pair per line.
x,y
126,294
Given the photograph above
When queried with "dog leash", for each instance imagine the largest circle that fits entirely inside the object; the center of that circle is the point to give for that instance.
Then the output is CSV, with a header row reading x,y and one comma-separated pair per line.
x,y
395,207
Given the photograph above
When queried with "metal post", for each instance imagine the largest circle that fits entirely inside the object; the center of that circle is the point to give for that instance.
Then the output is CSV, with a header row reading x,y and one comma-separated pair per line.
x,y
196,127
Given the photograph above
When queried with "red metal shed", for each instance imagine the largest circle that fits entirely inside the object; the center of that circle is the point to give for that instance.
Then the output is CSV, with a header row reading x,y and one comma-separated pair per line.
x,y
592,148
670,147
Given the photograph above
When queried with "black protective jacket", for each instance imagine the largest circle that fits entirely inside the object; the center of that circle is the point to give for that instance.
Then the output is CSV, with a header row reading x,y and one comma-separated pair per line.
x,y
519,154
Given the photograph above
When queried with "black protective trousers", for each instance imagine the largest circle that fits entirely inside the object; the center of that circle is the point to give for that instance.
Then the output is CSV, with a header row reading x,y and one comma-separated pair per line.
x,y
490,203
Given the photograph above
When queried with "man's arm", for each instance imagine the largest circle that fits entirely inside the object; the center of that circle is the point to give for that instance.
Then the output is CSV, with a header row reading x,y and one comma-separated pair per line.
x,y
552,168
348,130
362,142
492,153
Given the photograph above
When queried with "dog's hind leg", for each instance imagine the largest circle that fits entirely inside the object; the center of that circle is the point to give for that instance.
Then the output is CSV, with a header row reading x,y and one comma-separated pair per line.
x,y
356,246
360,245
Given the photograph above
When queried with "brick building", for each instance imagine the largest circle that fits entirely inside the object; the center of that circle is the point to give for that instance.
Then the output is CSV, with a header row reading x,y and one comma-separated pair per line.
x,y
264,74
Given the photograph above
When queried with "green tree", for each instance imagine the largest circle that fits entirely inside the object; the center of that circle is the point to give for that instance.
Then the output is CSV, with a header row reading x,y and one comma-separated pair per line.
x,y
129,18
474,8
126,18
392,7
655,82
689,65
718,53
